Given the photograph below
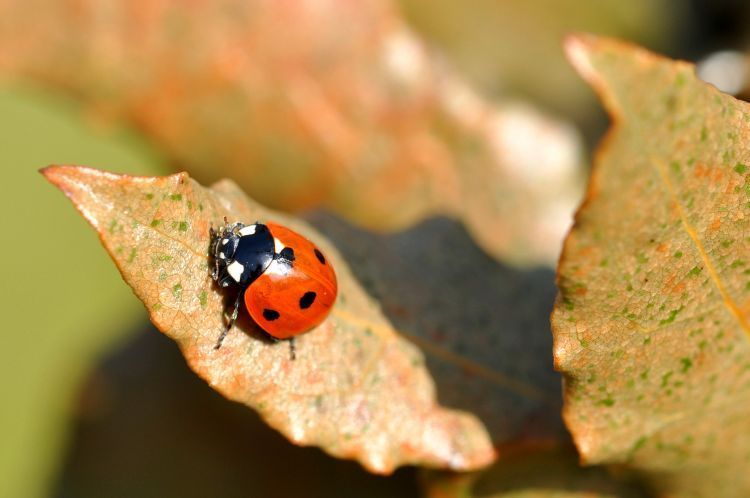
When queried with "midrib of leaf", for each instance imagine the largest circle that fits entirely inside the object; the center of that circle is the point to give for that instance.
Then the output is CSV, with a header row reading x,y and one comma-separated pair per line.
x,y
487,373
490,375
727,299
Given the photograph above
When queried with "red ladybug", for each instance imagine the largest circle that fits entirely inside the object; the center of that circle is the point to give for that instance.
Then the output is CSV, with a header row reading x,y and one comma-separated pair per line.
x,y
288,285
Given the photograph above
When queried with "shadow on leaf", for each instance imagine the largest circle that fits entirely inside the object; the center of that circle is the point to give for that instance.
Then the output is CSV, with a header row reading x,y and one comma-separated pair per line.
x,y
484,326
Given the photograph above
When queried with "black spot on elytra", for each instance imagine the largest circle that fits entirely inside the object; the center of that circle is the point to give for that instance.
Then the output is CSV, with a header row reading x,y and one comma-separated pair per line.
x,y
287,253
307,300
320,256
270,315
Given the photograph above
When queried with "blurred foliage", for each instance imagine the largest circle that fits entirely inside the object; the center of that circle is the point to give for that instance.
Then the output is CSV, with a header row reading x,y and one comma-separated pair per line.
x,y
305,104
508,47
62,302
541,469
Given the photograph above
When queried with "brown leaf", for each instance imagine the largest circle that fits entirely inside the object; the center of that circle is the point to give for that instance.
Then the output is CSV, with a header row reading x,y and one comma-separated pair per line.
x,y
357,390
326,103
651,323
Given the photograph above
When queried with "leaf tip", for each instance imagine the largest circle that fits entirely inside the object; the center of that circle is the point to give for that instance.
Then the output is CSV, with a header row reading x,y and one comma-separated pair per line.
x,y
76,183
578,48
52,172
61,175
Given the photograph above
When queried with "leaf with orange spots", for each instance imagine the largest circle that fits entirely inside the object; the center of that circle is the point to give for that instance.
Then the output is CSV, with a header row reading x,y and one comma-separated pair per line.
x,y
330,103
356,389
651,322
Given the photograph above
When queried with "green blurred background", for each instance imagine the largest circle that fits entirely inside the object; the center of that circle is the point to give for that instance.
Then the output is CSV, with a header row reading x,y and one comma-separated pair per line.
x,y
64,303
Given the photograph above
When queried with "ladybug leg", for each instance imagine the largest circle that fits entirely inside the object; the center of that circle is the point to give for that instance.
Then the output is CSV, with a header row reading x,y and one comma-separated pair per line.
x,y
232,319
292,349
214,242
215,272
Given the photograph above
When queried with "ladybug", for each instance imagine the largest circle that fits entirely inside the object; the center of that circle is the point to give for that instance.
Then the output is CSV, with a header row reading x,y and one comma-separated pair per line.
x,y
287,284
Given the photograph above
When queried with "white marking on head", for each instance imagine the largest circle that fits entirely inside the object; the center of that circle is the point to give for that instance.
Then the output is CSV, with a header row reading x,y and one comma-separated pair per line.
x,y
224,242
235,270
248,230
277,245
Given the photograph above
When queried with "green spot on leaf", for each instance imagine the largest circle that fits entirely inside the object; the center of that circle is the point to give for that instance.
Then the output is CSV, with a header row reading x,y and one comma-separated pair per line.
x,y
607,402
639,444
695,271
155,223
665,378
568,304
687,363
672,315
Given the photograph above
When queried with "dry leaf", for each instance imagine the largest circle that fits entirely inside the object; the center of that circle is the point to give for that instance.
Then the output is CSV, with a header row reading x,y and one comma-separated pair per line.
x,y
357,390
650,324
332,103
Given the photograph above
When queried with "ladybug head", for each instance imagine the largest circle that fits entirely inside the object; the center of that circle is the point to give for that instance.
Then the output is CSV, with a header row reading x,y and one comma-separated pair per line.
x,y
241,253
